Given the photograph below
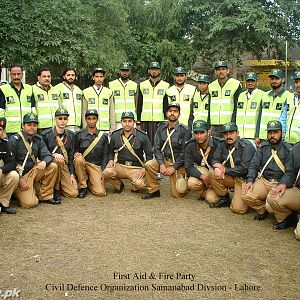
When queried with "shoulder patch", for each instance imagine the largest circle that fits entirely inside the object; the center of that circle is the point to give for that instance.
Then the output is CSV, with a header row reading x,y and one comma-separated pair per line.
x,y
192,140
16,137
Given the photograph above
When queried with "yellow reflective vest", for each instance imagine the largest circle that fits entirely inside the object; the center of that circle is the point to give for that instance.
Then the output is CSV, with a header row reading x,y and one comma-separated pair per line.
x,y
71,99
153,100
46,103
100,102
222,101
15,107
293,122
247,113
201,107
124,96
184,97
272,108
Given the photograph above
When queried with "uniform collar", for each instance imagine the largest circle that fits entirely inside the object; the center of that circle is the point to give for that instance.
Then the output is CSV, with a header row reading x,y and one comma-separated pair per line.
x,y
86,133
40,86
132,133
154,83
272,93
13,86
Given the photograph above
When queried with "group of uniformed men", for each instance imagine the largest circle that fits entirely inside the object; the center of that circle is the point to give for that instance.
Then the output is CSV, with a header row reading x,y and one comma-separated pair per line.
x,y
246,141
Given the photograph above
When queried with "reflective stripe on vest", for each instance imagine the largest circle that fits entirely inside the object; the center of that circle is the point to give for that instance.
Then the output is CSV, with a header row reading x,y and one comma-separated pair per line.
x,y
153,100
247,113
16,108
71,99
100,102
46,103
272,109
124,96
184,97
201,107
222,101
293,124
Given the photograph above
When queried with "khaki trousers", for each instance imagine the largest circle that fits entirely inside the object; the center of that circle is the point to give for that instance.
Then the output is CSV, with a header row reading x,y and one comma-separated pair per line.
x,y
91,172
47,177
119,171
63,181
257,197
198,186
286,204
8,184
153,185
221,186
297,231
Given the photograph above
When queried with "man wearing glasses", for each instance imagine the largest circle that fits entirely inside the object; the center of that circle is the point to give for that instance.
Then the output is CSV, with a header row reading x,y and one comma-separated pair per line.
x,y
60,142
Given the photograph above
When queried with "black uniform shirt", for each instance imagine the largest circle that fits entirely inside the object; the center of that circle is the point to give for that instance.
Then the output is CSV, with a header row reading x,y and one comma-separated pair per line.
x,y
193,157
272,171
178,139
98,154
19,150
242,156
5,155
49,136
139,142
292,168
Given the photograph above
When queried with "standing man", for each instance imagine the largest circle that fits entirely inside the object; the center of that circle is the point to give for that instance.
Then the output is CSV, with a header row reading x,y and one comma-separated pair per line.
x,y
224,93
46,98
124,92
100,98
248,106
70,96
9,178
152,101
60,142
198,155
34,164
266,170
202,99
16,100
183,94
284,198
275,105
293,122
90,156
169,143
231,162
127,148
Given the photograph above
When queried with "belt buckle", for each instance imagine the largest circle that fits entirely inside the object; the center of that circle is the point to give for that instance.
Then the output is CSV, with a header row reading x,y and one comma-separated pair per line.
x,y
128,163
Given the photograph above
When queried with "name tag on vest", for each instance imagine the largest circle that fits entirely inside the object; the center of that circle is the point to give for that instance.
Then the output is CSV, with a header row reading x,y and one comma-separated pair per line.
x,y
131,92
54,97
253,105
266,105
160,92
227,92
186,97
195,104
66,96
206,107
146,91
278,106
78,96
105,101
214,93
91,100
117,93
10,99
29,99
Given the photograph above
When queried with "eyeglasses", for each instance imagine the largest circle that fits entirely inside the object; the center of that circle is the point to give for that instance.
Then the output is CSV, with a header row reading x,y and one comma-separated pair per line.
x,y
62,118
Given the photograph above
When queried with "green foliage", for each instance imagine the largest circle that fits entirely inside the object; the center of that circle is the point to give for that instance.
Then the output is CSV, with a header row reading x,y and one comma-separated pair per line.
x,y
94,33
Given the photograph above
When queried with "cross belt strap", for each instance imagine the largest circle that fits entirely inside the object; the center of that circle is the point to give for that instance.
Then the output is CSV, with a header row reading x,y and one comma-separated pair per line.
x,y
118,150
277,160
92,145
167,140
129,147
298,175
62,147
28,147
204,157
229,156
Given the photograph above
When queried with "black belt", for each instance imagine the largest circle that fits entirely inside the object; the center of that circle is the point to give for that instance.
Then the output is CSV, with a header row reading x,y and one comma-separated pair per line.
x,y
129,163
271,179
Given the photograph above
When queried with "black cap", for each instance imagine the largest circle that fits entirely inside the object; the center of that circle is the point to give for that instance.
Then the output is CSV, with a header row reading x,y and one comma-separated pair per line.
x,y
127,114
230,126
31,118
91,112
200,125
274,125
98,70
61,112
174,104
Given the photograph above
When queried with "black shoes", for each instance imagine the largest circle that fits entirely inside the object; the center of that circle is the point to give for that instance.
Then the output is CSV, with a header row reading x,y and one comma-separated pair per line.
x,y
222,202
120,190
151,195
82,193
260,217
8,210
290,221
56,198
